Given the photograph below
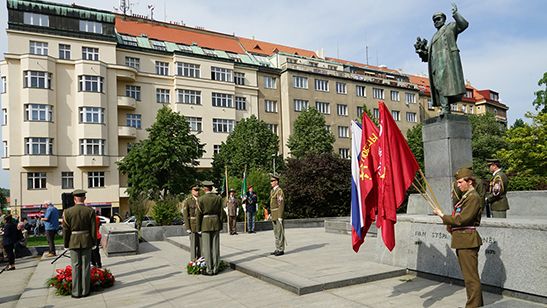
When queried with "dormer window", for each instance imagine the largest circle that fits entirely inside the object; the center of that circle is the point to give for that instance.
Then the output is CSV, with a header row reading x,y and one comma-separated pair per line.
x,y
36,19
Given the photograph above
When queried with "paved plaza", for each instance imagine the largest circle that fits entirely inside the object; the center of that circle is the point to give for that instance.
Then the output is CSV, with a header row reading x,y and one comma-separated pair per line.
x,y
321,265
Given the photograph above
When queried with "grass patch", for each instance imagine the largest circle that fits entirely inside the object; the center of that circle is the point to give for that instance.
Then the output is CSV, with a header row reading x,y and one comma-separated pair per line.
x,y
42,241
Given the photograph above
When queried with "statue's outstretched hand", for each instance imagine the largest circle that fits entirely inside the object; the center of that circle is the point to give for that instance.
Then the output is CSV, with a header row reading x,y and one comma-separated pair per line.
x,y
454,8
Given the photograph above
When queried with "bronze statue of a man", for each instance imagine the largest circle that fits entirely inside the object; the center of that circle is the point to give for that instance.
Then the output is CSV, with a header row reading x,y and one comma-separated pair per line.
x,y
445,67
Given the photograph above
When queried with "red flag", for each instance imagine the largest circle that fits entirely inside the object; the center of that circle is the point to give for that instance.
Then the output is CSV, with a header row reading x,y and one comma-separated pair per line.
x,y
368,163
396,171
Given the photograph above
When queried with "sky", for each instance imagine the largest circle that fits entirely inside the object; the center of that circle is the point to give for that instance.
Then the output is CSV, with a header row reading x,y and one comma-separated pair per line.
x,y
504,49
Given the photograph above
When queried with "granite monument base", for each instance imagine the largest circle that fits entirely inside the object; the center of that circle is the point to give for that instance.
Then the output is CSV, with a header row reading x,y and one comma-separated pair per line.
x,y
119,239
512,256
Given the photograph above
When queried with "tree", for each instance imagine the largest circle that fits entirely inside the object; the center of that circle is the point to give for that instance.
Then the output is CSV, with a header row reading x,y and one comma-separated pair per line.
x,y
165,162
251,145
370,115
540,103
139,206
4,193
309,135
317,186
416,144
518,123
486,140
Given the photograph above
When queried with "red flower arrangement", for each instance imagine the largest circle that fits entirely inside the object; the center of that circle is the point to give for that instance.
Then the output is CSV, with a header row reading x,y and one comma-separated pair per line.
x,y
62,281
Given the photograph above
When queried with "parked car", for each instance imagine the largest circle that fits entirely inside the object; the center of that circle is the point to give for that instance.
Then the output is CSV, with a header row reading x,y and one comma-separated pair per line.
x,y
147,221
104,220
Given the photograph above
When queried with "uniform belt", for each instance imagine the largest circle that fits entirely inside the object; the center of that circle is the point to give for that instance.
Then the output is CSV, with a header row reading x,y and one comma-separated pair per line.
x,y
464,228
192,217
275,209
210,215
80,232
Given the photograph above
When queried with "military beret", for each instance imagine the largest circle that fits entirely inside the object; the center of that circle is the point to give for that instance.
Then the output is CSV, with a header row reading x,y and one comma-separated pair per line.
x,y
207,183
79,192
463,172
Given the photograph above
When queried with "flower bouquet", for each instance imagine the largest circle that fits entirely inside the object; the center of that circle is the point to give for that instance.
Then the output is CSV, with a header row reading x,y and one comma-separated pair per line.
x,y
62,281
196,266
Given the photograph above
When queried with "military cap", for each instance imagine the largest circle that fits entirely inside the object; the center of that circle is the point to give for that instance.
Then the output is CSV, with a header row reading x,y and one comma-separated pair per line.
x,y
463,172
494,161
274,177
249,187
232,190
441,14
195,187
79,192
207,183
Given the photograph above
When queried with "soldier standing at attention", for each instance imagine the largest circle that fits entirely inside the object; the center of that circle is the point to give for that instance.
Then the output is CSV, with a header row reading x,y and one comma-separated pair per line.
x,y
209,223
466,240
79,233
497,194
277,207
232,209
190,207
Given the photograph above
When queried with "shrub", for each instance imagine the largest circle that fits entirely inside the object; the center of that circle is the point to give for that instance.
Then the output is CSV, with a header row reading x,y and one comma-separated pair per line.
x,y
166,211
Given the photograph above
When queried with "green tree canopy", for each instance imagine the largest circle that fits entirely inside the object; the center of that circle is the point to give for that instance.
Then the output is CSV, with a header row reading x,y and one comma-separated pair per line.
x,y
309,135
317,186
540,103
165,162
416,144
252,144
486,140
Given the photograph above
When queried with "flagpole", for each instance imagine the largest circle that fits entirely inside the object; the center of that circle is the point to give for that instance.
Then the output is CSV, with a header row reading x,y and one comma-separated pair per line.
x,y
430,189
245,212
425,196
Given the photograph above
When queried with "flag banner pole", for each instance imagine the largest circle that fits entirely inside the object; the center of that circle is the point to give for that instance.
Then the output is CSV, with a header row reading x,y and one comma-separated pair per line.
x,y
425,196
420,188
430,189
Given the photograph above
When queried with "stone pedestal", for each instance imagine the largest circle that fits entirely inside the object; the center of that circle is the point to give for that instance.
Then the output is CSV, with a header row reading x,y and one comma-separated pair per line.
x,y
119,239
447,147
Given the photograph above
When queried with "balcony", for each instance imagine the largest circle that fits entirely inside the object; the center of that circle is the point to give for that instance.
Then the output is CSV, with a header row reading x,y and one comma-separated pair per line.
x,y
125,73
84,161
127,132
123,192
31,161
125,102
5,163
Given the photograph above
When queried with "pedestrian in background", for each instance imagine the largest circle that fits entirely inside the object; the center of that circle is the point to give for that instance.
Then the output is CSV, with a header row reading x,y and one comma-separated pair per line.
x,y
251,207
51,224
95,251
10,237
232,210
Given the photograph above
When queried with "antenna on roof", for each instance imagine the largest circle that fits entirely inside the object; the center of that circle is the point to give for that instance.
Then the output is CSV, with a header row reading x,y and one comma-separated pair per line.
x,y
366,52
151,8
125,6
164,10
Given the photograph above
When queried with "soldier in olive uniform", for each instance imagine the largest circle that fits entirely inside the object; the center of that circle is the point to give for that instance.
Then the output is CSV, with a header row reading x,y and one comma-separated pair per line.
x,y
277,207
79,233
462,224
457,193
190,206
497,194
232,210
209,223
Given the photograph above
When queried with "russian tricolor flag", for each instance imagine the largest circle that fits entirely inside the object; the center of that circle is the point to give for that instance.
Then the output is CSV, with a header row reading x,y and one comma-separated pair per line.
x,y
357,222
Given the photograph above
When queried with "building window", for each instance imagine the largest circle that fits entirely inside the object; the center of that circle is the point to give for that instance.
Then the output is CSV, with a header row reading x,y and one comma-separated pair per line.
x,y
342,109
67,180
3,84
343,131
64,52
38,112
270,106
38,146
360,111
37,79
234,56
133,120
239,78
471,109
129,40
430,104
5,144
133,91
300,82
396,115
344,153
341,88
92,147
38,48
162,96
162,68
454,107
464,108
89,83
221,74
95,179
129,147
395,96
36,180
223,125
301,105
4,116
360,91
133,62
270,82
185,48
376,113
157,45
241,103
36,19
321,85
273,128
322,107
410,98
188,70
194,123
209,52
327,128
91,26
468,93
411,117
188,97
314,64
216,149
378,93
222,100
494,96
92,115
90,53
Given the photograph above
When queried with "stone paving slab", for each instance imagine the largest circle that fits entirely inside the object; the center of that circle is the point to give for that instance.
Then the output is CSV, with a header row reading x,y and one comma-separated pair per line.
x,y
310,264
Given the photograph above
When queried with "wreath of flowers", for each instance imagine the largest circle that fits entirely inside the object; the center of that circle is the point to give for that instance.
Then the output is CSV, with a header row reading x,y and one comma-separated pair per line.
x,y
62,281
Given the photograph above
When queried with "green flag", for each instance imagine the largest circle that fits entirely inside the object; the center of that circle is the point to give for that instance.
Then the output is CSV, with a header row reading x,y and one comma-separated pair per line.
x,y
244,184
